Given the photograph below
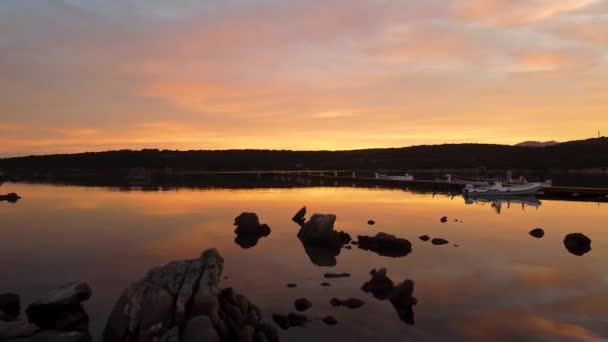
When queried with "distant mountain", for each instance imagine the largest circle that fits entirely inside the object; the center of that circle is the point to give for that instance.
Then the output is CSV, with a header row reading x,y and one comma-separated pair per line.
x,y
590,153
537,143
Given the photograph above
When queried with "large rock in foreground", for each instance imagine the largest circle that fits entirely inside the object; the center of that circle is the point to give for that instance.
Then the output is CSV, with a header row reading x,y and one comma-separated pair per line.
x,y
182,301
385,245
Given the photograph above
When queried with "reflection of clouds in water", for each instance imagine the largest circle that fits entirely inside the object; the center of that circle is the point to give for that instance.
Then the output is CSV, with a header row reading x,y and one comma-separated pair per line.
x,y
518,326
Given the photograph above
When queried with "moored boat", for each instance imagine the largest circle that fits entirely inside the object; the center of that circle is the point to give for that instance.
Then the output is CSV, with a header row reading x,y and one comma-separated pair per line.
x,y
498,189
405,177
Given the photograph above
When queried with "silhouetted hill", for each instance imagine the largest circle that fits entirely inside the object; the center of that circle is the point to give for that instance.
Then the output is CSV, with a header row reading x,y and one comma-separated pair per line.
x,y
592,153
538,143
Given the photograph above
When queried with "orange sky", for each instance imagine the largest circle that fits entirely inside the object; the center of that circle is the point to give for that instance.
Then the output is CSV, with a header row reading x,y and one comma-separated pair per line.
x,y
80,75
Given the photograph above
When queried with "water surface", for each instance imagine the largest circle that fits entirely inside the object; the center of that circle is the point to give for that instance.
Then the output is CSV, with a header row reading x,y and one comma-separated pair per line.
x,y
500,284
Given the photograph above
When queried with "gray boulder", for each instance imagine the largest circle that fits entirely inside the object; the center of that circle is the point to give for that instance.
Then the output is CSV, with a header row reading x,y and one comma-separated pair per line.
x,y
185,296
16,329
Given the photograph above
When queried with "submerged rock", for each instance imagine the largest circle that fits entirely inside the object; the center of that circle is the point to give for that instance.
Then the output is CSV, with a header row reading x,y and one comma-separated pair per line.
x,y
351,303
439,241
371,222
385,245
282,321
537,233
11,198
330,320
325,284
297,320
302,304
577,243
184,296
291,286
444,219
10,306
424,238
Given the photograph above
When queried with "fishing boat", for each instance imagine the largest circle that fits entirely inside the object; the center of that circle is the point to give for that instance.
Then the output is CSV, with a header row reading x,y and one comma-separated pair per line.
x,y
498,189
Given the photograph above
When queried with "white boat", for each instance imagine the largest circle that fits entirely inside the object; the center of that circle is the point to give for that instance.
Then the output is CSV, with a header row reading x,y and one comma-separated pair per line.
x,y
405,177
498,189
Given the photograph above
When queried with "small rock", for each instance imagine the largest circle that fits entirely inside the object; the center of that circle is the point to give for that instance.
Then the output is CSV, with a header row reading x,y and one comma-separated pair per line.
x,y
336,275
351,303
302,304
371,222
444,219
282,321
354,243
424,238
537,233
11,198
10,306
291,286
577,243
348,247
330,320
385,245
325,284
439,241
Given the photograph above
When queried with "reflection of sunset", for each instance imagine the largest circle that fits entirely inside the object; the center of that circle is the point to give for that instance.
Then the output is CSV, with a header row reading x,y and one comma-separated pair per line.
x,y
497,267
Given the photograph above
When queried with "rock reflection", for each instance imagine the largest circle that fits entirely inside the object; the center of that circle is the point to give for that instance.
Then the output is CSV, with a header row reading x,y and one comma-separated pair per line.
x,y
11,198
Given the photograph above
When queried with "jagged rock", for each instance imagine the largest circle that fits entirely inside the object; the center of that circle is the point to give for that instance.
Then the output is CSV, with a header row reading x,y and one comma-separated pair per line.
x,y
200,328
385,245
299,217
330,320
302,304
424,238
185,296
401,296
11,198
336,275
439,241
16,329
577,243
381,286
537,233
444,219
10,306
351,303
61,310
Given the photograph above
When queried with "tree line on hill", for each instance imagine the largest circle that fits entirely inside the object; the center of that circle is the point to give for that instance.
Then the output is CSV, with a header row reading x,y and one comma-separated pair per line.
x,y
582,154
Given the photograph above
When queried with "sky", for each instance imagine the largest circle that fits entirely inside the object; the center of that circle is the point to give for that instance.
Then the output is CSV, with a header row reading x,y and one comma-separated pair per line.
x,y
90,75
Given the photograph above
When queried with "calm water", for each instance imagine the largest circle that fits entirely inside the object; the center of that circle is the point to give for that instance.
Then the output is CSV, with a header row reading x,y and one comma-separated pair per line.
x,y
500,284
